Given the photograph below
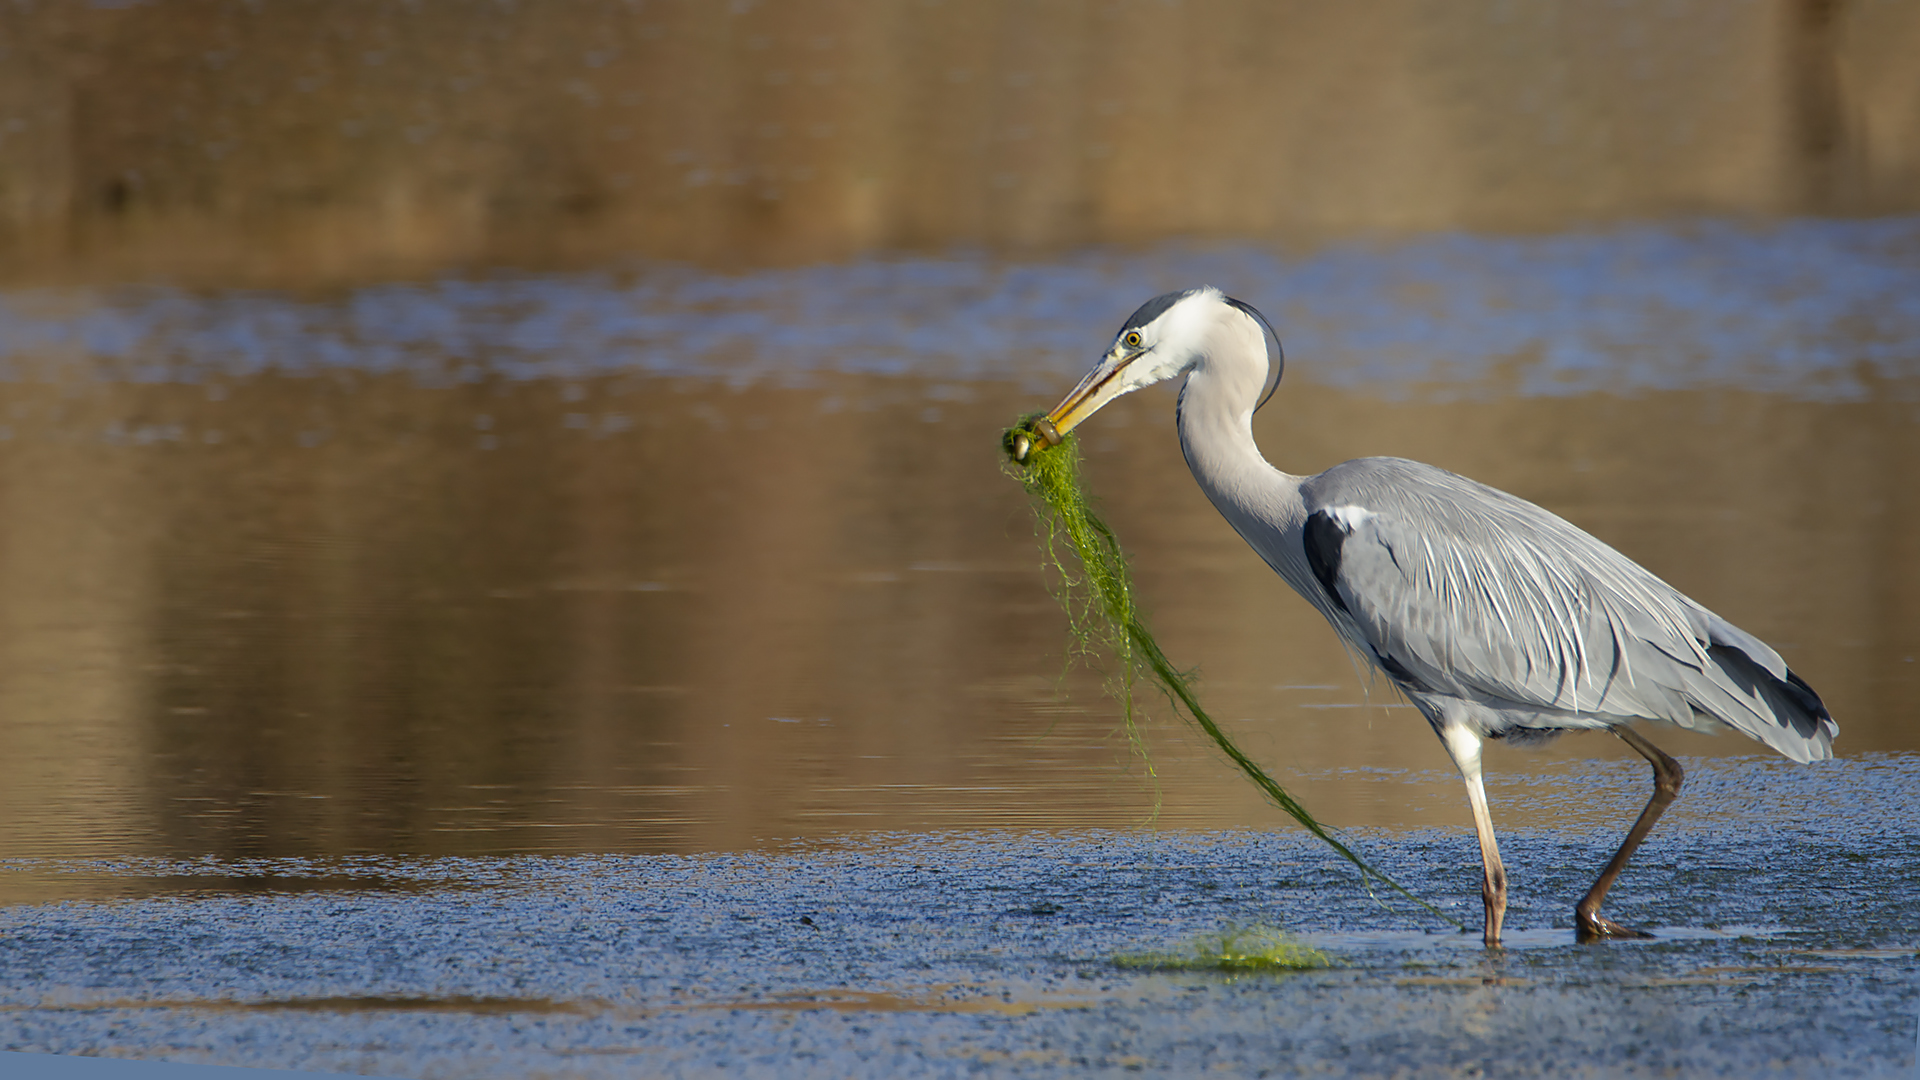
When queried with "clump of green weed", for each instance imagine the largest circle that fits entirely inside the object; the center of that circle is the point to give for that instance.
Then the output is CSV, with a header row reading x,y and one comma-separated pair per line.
x,y
1235,949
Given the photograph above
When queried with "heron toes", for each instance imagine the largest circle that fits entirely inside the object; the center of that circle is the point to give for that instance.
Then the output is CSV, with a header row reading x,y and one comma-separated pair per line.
x,y
1593,926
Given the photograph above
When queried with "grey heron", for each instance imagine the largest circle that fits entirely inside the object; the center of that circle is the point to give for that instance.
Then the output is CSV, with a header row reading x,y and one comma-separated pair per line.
x,y
1496,618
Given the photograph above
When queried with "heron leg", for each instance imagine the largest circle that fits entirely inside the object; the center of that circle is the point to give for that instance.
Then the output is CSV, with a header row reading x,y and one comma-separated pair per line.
x,y
1464,747
1589,924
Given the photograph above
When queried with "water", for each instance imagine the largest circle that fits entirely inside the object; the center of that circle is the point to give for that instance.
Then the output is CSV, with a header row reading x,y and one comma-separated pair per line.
x,y
1784,952
376,663
1817,310
290,146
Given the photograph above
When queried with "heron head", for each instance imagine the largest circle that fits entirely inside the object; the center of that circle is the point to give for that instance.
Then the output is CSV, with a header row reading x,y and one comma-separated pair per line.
x,y
1171,335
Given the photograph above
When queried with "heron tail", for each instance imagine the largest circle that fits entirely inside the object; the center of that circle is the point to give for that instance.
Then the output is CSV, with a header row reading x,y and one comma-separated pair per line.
x,y
1747,686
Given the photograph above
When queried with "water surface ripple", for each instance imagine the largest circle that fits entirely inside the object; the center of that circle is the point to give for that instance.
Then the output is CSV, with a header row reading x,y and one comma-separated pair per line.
x,y
1821,310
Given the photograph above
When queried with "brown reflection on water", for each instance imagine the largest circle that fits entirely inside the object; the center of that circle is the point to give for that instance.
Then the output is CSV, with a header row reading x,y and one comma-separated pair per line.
x,y
299,142
326,616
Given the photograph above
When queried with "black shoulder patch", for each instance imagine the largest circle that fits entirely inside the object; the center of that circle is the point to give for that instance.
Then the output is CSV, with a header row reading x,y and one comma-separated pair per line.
x,y
1324,537
1154,308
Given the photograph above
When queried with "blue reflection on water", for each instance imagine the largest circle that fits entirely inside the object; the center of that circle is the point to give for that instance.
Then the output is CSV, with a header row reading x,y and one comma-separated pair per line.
x,y
1817,309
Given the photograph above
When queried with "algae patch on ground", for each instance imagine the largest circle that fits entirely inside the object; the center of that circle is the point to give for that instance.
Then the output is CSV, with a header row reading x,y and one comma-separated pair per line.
x,y
1251,948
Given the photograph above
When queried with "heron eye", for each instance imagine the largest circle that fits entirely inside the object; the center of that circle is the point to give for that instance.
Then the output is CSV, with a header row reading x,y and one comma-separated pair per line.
x,y
1132,340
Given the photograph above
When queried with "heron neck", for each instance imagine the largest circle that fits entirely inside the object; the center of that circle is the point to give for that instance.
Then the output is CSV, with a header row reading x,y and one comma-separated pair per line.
x,y
1262,503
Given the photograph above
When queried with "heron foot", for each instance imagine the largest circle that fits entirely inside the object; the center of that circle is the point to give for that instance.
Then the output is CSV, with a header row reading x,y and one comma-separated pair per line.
x,y
1591,926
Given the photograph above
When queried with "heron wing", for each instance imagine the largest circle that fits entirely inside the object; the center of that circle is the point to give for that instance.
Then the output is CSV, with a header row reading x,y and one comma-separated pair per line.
x,y
1460,589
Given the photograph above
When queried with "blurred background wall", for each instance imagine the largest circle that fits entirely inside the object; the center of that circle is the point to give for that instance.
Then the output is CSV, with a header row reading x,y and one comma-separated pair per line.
x,y
295,141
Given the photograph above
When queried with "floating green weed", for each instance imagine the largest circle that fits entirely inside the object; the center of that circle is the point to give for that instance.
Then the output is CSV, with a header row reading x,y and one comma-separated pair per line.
x,y
1252,948
1103,619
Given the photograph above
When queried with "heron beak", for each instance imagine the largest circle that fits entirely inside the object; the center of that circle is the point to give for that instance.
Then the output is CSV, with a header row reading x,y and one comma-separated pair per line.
x,y
1087,398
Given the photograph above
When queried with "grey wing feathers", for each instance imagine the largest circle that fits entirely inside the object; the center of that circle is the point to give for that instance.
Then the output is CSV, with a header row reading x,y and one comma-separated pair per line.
x,y
1463,590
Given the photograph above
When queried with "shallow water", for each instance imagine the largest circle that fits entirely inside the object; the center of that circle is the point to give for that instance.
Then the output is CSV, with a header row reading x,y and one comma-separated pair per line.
x,y
1785,948
374,664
